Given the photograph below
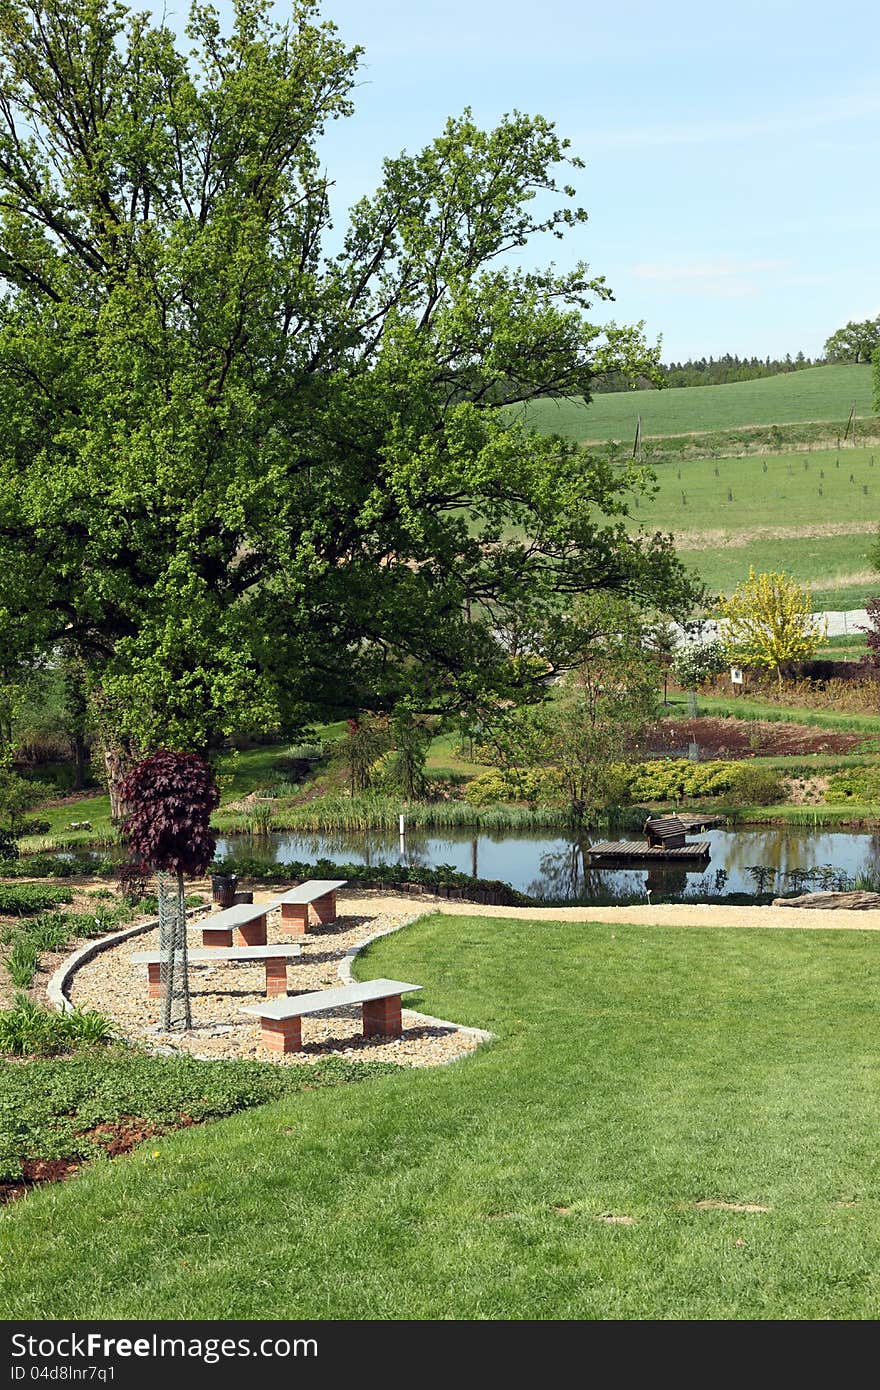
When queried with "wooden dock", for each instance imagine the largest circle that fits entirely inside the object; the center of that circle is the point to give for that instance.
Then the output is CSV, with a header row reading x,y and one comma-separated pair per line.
x,y
640,849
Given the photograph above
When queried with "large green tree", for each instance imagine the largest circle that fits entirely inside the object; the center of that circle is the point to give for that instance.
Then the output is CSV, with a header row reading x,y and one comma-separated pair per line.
x,y
855,342
245,478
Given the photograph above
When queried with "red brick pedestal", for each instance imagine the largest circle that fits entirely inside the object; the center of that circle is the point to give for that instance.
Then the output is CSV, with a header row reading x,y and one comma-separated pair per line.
x,y
216,936
295,918
276,976
323,910
154,975
383,1016
281,1034
251,933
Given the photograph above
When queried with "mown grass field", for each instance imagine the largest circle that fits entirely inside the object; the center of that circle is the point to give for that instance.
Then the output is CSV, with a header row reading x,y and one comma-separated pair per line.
x,y
646,1086
817,393
810,512
835,568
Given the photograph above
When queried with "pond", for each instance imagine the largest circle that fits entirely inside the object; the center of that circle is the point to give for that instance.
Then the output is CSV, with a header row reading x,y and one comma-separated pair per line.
x,y
556,866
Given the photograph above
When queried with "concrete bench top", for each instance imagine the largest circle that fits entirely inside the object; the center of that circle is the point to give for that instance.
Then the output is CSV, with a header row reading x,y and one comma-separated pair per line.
x,y
235,916
315,888
217,957
323,999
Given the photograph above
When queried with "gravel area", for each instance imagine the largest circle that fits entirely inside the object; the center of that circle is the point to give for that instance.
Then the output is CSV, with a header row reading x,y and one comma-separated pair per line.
x,y
681,915
118,988
112,984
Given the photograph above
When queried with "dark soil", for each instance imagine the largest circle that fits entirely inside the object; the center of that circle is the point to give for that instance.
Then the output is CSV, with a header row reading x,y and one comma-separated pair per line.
x,y
115,1137
740,738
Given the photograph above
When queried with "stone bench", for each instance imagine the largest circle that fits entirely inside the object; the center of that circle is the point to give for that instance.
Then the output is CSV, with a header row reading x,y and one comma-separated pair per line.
x,y
274,957
281,1021
312,903
245,922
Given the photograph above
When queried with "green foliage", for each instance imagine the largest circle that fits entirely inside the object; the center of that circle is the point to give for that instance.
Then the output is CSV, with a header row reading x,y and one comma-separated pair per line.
x,y
18,794
50,1109
857,784
52,931
378,811
592,725
24,899
756,786
675,779
513,784
440,877
29,1030
246,477
855,342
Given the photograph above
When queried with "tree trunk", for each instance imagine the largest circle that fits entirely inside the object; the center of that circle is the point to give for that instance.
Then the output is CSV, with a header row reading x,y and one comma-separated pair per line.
x,y
80,759
118,761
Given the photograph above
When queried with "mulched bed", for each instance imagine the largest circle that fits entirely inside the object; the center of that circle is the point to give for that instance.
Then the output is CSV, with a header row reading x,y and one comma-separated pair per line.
x,y
740,738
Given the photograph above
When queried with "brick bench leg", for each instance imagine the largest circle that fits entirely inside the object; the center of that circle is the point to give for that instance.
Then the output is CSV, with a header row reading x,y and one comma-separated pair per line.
x,y
213,937
323,910
251,933
276,976
383,1016
154,976
294,918
281,1034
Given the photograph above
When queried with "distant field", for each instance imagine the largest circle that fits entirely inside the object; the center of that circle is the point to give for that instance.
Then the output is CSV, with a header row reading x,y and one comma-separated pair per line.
x,y
793,512
834,567
790,490
817,393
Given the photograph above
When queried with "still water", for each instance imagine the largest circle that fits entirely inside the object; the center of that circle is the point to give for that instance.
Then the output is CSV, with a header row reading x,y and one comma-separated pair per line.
x,y
557,866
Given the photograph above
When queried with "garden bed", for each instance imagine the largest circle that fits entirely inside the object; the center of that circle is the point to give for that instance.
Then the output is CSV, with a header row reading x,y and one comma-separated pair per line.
x,y
754,738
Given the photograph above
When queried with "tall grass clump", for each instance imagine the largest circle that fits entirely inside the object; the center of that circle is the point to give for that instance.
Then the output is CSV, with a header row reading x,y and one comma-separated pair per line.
x,y
375,811
29,1030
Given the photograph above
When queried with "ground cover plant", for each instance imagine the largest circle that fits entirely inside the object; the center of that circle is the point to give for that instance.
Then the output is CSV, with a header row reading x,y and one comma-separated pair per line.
x,y
671,1123
60,1113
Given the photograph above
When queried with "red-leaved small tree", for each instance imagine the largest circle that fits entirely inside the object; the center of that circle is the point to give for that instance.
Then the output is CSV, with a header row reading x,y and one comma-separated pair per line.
x,y
169,798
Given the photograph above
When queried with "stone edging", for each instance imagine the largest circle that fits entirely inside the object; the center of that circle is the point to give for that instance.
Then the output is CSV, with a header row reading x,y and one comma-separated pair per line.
x,y
59,981
344,971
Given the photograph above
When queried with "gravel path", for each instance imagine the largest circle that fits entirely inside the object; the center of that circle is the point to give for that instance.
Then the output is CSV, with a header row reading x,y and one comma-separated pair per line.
x,y
682,915
118,988
112,984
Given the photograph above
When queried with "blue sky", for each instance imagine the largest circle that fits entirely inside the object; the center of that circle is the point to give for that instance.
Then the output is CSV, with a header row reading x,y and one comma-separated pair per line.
x,y
732,157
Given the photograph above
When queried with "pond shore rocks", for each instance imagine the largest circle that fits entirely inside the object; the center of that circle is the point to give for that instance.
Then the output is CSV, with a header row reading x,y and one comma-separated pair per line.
x,y
855,901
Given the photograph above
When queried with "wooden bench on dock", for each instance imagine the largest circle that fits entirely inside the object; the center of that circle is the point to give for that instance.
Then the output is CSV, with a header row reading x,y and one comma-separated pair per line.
x,y
281,1021
274,957
310,904
245,922
666,831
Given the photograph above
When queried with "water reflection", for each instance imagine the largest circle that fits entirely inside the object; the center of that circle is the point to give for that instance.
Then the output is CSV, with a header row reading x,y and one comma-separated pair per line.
x,y
557,867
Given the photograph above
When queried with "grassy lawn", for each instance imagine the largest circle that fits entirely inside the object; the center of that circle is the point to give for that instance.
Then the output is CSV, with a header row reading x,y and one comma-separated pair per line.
x,y
834,567
817,393
557,1173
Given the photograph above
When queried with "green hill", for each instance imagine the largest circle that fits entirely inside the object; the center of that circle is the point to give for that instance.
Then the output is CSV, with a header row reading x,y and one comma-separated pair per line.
x,y
816,393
